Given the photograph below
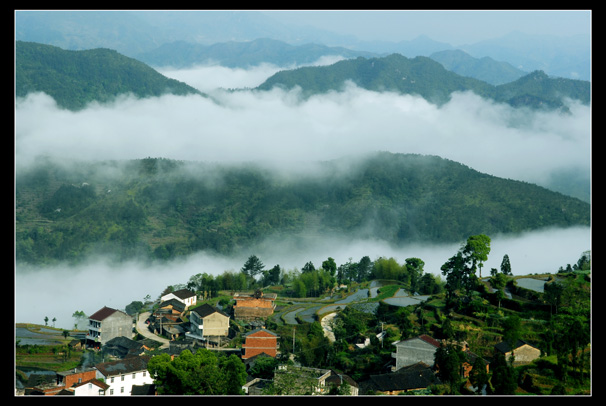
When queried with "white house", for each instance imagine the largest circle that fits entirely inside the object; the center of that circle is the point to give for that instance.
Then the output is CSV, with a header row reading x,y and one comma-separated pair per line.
x,y
185,296
92,387
123,374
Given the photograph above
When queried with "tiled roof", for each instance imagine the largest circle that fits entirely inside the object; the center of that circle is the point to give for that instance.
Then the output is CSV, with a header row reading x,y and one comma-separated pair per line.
x,y
97,382
258,330
206,310
414,376
102,314
124,366
183,293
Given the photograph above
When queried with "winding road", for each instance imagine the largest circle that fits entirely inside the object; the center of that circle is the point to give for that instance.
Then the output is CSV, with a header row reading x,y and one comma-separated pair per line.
x,y
144,331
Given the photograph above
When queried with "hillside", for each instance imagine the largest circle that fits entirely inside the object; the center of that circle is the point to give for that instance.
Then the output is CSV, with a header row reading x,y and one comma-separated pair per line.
x,y
76,78
486,68
427,78
160,208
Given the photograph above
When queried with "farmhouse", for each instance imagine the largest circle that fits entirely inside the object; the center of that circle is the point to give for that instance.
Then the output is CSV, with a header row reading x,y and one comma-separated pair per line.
x,y
185,296
108,323
415,350
260,341
122,375
208,322
523,353
254,306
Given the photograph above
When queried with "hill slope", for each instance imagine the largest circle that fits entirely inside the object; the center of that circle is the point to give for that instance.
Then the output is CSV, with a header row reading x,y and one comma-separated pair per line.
x,y
427,78
161,208
75,78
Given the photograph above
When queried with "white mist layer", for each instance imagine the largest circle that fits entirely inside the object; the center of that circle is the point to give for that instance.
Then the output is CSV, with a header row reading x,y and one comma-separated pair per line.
x,y
57,292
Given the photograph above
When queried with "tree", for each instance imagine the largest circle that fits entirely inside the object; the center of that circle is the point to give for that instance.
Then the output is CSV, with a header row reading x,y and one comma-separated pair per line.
x,y
449,360
330,266
414,266
503,377
506,265
203,373
252,267
460,278
498,282
477,248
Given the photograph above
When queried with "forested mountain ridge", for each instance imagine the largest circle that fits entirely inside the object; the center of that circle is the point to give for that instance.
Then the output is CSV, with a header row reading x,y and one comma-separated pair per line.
x,y
76,78
160,208
425,77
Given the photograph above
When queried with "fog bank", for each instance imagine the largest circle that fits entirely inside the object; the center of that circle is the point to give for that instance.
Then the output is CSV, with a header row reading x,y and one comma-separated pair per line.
x,y
58,291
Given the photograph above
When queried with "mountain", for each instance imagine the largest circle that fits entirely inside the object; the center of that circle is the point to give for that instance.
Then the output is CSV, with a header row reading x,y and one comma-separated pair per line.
x,y
76,78
485,69
420,76
567,57
234,54
159,208
427,78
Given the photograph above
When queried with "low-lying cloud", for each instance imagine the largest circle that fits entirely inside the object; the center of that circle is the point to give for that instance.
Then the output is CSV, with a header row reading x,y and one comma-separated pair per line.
x,y
279,126
58,291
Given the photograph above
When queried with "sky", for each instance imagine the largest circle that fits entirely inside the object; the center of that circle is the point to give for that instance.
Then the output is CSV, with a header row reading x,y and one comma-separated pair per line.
x,y
456,27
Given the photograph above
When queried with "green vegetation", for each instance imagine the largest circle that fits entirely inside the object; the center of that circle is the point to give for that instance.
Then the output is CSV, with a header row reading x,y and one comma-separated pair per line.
x,y
556,321
427,78
77,78
162,209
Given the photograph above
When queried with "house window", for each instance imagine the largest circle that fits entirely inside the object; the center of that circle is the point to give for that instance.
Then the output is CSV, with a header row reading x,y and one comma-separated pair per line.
x,y
112,380
134,375
111,391
144,374
122,389
122,378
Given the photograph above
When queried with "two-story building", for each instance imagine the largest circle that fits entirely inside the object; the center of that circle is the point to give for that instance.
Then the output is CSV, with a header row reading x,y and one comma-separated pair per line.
x,y
414,350
108,323
260,341
208,323
122,375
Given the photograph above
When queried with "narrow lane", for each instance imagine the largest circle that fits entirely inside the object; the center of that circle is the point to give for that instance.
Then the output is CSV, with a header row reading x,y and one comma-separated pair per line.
x,y
144,331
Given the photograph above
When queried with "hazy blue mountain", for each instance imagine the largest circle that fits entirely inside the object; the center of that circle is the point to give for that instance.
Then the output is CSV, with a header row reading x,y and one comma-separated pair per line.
x,y
486,68
133,32
233,54
556,56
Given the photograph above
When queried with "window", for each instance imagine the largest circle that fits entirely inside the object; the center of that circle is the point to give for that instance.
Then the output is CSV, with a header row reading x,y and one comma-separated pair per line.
x,y
122,378
112,380
111,391
122,389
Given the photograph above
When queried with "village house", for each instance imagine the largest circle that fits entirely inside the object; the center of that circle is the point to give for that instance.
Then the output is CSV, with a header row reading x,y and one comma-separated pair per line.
x,y
185,296
63,381
254,306
414,350
260,341
523,352
208,323
92,387
122,347
108,323
410,378
122,375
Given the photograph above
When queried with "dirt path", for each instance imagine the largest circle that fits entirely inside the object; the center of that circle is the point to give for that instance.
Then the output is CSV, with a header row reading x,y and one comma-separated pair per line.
x,y
326,325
